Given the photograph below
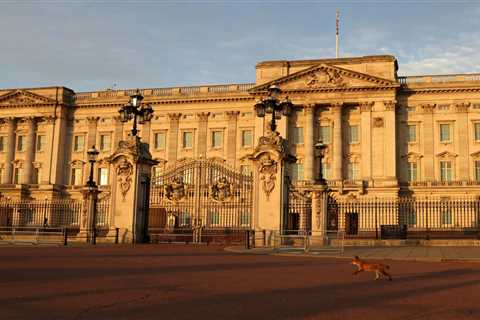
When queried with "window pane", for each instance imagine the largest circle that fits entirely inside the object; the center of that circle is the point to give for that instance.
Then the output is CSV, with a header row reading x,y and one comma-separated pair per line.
x,y
105,142
20,143
40,142
353,134
445,170
477,170
187,139
412,171
326,170
477,131
412,133
297,135
160,140
78,144
246,138
297,172
37,174
324,134
216,139
352,171
103,177
2,142
444,132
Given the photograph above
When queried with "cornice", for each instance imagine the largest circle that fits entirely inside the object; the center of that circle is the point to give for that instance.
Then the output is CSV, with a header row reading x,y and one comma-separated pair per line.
x,y
409,91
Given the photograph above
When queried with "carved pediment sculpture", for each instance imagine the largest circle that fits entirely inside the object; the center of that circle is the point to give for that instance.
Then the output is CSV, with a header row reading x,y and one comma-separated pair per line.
x,y
324,78
221,191
23,97
176,190
124,176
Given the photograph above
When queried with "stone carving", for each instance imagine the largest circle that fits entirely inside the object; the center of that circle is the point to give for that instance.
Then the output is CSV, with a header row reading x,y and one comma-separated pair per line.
x,y
221,191
268,171
378,122
325,78
176,190
124,176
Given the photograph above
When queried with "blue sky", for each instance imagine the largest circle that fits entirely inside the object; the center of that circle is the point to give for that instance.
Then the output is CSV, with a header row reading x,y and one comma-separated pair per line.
x,y
92,45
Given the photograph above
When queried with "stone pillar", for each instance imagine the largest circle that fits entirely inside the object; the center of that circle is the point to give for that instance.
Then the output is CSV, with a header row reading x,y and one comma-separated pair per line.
x,y
390,141
49,123
309,155
92,131
462,129
145,133
366,138
131,168
30,150
428,142
202,134
88,216
173,137
10,150
117,131
337,173
232,117
319,214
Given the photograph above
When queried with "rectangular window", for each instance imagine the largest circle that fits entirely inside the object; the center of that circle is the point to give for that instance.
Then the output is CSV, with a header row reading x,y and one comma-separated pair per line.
x,y
40,142
103,176
159,140
245,169
37,175
353,134
187,140
445,132
325,134
297,172
17,176
246,138
297,135
352,171
326,171
217,139
445,170
2,143
78,143
104,142
76,178
412,171
21,143
412,133
477,170
477,131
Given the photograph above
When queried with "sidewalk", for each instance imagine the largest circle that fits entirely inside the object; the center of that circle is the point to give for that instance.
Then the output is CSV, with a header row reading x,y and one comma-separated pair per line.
x,y
417,253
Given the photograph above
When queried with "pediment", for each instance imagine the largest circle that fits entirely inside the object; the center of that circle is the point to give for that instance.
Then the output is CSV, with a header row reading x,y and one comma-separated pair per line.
x,y
447,155
412,156
23,97
475,154
326,77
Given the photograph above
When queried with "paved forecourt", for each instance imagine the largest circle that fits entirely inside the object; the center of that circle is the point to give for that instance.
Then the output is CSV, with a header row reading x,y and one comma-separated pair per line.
x,y
200,282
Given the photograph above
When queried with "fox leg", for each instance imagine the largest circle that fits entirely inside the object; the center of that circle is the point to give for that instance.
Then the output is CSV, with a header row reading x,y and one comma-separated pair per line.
x,y
357,271
377,275
386,274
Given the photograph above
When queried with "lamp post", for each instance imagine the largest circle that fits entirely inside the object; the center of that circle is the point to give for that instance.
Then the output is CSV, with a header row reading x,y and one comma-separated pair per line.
x,y
272,105
92,154
320,147
135,110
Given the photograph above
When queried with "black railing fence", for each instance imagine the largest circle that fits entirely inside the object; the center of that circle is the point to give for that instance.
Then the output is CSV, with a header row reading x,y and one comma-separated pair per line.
x,y
407,217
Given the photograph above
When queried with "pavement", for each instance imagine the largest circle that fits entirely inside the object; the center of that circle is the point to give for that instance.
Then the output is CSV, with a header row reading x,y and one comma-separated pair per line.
x,y
404,253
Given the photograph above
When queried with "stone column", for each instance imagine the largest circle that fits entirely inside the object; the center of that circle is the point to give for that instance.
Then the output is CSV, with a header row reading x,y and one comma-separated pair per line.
x,y
231,140
202,133
428,142
117,131
462,128
319,215
49,123
390,141
309,155
10,150
92,132
88,215
145,133
30,150
337,173
173,137
366,138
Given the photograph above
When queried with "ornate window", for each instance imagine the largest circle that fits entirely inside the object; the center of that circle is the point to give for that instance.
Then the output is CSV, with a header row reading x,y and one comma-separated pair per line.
x,y
477,131
297,135
246,138
477,170
78,143
297,171
187,139
352,171
21,143
17,175
217,137
326,169
412,171
353,134
445,134
40,142
446,170
105,141
324,134
159,141
412,133
102,176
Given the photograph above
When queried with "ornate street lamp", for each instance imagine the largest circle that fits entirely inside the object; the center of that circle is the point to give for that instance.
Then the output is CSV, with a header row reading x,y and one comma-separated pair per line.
x,y
136,111
92,154
272,105
320,147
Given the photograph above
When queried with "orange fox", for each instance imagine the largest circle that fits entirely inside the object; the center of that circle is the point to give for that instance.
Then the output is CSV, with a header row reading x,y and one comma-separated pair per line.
x,y
378,268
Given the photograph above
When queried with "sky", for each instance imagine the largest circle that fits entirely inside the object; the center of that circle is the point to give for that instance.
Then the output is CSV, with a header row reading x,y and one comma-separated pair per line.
x,y
95,45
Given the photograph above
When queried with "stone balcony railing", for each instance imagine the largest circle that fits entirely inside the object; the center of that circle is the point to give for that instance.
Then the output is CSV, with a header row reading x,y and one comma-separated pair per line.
x,y
168,92
439,78
434,184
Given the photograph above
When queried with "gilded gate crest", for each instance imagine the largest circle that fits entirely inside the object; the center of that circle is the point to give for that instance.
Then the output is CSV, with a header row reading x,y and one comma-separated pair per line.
x,y
176,190
221,191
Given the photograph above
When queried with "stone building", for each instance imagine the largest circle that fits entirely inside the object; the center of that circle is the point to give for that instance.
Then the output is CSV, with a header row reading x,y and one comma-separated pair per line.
x,y
386,135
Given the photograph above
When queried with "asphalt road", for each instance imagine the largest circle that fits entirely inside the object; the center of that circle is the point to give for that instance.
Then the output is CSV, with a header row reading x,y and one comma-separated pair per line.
x,y
188,282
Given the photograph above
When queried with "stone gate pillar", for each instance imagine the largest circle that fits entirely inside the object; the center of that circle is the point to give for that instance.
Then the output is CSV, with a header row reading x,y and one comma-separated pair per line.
x,y
319,214
131,167
88,216
269,158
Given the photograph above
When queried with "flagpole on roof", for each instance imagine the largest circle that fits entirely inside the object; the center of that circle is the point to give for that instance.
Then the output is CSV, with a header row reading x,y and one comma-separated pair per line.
x,y
337,24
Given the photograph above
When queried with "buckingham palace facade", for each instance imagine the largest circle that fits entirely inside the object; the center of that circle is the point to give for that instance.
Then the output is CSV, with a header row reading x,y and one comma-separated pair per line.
x,y
386,135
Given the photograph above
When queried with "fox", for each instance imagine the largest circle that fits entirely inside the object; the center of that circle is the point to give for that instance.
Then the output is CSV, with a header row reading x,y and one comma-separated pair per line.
x,y
378,268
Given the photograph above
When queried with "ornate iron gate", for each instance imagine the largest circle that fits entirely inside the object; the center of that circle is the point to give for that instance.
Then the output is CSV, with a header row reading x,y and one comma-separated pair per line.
x,y
298,217
200,200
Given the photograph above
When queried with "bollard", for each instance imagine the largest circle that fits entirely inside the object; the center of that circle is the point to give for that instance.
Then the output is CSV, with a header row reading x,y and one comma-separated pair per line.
x,y
65,237
117,231
247,239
